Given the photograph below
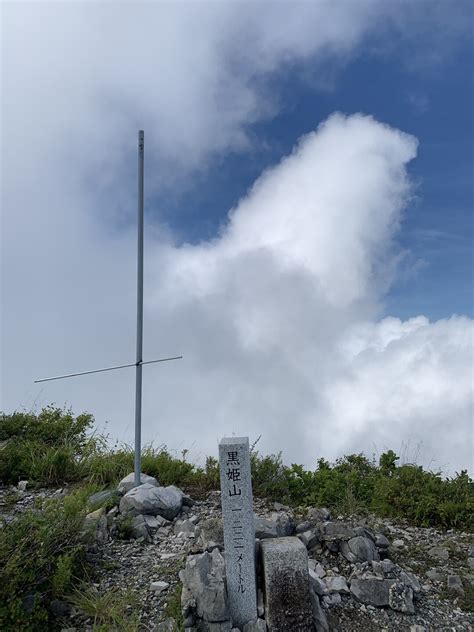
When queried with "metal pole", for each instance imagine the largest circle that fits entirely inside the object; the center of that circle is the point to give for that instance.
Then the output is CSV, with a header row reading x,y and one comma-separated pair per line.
x,y
138,382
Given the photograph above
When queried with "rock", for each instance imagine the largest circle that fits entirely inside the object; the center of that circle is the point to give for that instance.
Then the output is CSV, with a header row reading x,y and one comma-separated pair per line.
x,y
470,563
401,597
439,553
316,567
307,525
184,527
332,600
381,542
434,574
139,528
22,485
336,585
359,549
211,535
277,526
455,584
168,625
258,625
398,544
128,483
159,586
155,522
94,527
316,584
319,618
372,591
152,500
280,507
288,604
417,628
204,591
100,498
260,604
336,531
318,514
309,538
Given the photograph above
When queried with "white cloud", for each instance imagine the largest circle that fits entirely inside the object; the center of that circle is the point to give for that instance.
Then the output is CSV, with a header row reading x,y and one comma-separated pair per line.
x,y
278,316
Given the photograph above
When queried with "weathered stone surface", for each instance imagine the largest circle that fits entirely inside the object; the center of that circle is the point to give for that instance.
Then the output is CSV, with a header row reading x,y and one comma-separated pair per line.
x,y
239,529
139,528
316,584
128,483
400,597
258,625
211,534
155,522
359,549
204,592
455,583
95,526
372,591
439,553
159,586
309,538
286,585
22,485
148,499
278,525
184,528
381,542
318,514
336,584
319,618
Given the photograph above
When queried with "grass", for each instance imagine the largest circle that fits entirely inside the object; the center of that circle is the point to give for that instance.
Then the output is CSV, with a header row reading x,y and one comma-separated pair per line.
x,y
112,609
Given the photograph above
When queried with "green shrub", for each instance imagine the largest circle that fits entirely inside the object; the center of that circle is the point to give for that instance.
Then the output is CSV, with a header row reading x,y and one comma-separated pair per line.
x,y
40,553
45,447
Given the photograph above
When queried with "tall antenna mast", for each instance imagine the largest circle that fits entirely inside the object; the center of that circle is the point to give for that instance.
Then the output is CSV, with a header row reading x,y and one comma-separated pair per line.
x,y
139,355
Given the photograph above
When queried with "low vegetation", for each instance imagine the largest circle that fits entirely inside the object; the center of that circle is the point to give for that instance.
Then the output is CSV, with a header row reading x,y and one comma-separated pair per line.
x,y
41,555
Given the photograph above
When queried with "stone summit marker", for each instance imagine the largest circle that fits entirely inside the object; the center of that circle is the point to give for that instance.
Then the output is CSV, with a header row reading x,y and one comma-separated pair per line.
x,y
239,529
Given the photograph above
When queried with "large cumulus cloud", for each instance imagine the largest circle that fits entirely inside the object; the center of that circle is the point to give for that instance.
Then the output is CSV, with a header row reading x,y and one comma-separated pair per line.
x,y
279,316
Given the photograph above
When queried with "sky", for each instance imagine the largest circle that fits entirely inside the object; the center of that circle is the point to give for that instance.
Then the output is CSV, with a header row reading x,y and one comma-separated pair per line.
x,y
308,230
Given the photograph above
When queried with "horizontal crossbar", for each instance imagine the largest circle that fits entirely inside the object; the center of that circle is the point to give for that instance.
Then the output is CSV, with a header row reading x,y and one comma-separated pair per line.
x,y
110,368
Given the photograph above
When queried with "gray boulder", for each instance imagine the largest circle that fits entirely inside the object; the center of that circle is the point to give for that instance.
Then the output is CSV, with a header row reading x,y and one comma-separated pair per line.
x,y
204,592
439,553
400,597
372,591
309,538
359,549
333,533
318,514
155,501
139,528
279,525
94,527
211,535
155,522
128,483
184,528
336,584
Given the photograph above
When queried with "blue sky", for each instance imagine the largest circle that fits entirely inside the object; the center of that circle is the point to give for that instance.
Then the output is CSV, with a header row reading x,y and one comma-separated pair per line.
x,y
433,104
